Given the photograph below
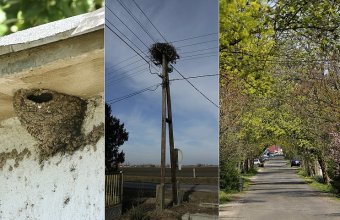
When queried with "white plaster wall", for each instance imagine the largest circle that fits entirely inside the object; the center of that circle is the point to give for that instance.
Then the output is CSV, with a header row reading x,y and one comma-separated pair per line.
x,y
65,187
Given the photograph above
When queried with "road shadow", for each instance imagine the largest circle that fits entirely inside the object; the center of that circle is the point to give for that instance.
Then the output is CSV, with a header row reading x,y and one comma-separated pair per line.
x,y
252,201
271,189
274,171
329,215
186,195
296,182
296,193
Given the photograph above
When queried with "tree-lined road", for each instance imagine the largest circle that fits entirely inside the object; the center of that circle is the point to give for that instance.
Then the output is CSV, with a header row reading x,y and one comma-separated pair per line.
x,y
278,193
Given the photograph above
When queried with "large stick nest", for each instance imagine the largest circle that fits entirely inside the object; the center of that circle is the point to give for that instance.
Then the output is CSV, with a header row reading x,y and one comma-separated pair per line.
x,y
158,49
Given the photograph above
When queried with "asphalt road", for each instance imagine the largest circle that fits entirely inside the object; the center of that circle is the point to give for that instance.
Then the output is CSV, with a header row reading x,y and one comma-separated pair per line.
x,y
186,187
278,193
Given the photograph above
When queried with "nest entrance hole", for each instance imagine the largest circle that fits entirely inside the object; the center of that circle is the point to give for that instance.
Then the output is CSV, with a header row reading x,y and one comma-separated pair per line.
x,y
43,97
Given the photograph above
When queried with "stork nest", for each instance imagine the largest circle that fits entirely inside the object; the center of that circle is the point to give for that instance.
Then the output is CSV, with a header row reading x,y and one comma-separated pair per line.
x,y
158,49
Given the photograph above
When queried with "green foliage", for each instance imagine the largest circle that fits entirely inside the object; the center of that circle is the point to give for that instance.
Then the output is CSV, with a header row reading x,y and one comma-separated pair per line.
x,y
318,21
225,196
115,136
279,81
317,183
230,176
336,184
245,44
22,14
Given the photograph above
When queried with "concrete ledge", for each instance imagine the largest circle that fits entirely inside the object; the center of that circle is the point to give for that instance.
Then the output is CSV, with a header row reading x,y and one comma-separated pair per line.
x,y
52,32
74,66
13,63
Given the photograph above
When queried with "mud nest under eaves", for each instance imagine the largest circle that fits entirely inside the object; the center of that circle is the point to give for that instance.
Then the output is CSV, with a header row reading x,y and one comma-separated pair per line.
x,y
53,119
158,49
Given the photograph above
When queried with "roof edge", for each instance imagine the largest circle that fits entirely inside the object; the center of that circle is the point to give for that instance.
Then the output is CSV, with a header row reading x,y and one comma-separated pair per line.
x,y
52,32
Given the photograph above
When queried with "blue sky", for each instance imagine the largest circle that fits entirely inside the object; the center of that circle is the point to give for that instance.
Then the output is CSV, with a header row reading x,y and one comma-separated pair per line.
x,y
195,119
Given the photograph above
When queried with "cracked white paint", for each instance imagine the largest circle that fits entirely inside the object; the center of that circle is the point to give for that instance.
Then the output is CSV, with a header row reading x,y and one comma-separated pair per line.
x,y
64,187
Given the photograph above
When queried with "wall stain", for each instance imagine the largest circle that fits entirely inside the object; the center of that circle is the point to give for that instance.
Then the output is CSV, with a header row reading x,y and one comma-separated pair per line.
x,y
93,137
4,156
66,200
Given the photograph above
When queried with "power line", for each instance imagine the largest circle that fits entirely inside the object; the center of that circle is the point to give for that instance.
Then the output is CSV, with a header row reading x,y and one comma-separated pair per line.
x,y
194,77
126,42
130,13
114,81
126,77
115,100
123,61
190,38
144,51
195,87
188,45
125,70
127,65
149,20
125,74
194,58
201,54
126,26
155,87
210,48
136,20
191,57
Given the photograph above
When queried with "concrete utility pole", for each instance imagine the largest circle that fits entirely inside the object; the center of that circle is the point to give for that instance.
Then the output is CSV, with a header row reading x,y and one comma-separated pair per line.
x,y
171,138
163,53
163,138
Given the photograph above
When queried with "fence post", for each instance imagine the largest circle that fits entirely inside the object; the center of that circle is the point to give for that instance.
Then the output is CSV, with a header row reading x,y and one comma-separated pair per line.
x,y
121,186
113,188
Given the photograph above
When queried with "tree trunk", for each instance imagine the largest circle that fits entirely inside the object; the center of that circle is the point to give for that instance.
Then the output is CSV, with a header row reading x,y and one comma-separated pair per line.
x,y
323,166
251,162
241,167
246,166
306,167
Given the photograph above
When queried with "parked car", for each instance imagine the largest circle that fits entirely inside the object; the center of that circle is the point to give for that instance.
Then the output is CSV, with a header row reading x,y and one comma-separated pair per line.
x,y
258,163
265,157
262,159
295,162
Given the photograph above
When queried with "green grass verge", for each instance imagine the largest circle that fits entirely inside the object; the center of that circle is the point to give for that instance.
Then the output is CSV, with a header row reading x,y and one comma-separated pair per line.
x,y
246,177
227,196
315,184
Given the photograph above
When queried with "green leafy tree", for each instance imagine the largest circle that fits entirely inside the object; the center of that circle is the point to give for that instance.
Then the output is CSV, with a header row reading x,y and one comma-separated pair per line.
x,y
279,82
245,45
115,136
22,14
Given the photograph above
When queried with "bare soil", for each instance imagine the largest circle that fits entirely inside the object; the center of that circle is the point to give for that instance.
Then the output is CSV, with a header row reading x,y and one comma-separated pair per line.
x,y
145,201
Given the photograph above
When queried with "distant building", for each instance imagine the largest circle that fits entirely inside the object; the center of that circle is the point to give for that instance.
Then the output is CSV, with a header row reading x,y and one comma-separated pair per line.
x,y
274,149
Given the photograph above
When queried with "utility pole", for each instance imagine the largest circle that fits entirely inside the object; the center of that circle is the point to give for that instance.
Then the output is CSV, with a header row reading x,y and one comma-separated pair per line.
x,y
162,54
163,138
171,137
